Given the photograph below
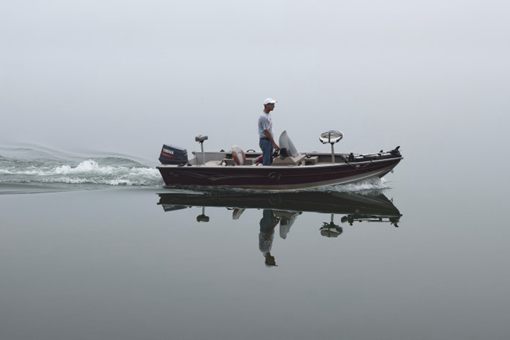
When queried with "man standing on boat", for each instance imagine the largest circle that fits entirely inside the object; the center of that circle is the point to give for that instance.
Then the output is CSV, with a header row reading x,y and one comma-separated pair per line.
x,y
266,141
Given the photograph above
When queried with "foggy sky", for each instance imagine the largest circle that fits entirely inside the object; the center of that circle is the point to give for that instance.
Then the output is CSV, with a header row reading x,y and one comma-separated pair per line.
x,y
127,76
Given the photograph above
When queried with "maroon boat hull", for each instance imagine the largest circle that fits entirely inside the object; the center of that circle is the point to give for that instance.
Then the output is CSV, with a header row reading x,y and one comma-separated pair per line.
x,y
275,177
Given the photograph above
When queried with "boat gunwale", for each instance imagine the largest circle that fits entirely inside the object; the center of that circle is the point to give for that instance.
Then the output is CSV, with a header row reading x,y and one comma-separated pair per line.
x,y
325,165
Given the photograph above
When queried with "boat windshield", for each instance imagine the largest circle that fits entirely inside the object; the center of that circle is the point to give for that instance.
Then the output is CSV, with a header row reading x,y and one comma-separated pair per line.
x,y
286,143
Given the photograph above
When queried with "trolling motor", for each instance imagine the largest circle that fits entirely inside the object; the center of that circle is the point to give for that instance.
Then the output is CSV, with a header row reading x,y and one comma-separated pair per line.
x,y
393,220
201,139
332,137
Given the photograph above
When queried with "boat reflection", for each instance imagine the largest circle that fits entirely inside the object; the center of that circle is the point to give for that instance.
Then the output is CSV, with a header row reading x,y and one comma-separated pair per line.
x,y
283,208
371,206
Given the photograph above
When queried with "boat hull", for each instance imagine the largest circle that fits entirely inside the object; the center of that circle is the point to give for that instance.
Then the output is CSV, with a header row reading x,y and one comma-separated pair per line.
x,y
275,178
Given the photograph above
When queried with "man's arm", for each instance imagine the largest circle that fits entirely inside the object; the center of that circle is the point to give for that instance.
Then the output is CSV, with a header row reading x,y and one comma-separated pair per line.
x,y
270,137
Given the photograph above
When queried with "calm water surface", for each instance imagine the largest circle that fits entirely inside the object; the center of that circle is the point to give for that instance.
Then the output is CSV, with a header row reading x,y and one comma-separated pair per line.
x,y
113,264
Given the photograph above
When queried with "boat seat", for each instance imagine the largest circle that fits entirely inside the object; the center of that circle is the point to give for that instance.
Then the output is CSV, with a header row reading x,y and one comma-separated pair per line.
x,y
289,160
311,160
212,163
231,162
228,162
238,155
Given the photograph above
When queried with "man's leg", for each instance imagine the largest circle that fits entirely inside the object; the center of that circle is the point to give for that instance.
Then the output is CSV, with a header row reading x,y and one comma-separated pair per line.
x,y
267,151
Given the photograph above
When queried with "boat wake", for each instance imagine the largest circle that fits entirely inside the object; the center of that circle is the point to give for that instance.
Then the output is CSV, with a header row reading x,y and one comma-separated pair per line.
x,y
39,165
367,186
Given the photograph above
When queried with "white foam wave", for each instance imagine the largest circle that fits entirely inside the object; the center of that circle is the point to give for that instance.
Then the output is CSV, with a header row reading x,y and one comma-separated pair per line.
x,y
86,167
86,172
373,184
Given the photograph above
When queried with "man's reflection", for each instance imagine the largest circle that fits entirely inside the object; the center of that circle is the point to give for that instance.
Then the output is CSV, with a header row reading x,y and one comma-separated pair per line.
x,y
284,208
267,226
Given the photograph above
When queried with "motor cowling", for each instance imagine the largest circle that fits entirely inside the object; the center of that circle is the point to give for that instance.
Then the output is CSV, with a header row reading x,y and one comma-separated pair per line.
x,y
172,155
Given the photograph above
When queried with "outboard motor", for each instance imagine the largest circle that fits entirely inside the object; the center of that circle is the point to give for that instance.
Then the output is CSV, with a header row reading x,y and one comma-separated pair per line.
x,y
173,155
331,137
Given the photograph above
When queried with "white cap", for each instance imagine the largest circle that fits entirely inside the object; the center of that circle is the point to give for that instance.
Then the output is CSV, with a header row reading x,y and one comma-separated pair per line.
x,y
269,101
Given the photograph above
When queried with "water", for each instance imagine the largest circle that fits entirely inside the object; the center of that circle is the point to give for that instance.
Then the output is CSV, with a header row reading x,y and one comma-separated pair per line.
x,y
92,247
33,165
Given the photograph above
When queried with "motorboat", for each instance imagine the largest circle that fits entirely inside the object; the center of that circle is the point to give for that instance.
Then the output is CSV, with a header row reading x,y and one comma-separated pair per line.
x,y
290,170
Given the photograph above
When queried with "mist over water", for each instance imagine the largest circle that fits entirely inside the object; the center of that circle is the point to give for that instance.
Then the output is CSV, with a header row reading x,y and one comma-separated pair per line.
x,y
130,77
90,90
